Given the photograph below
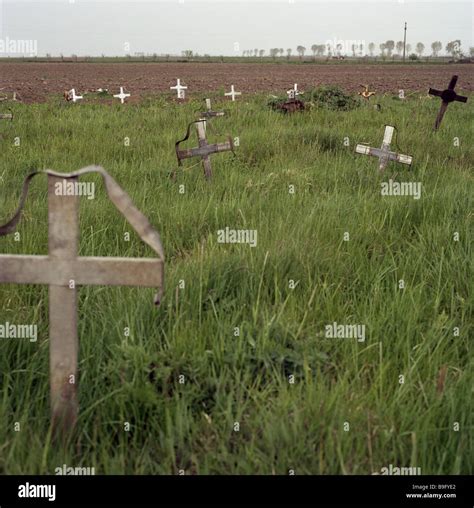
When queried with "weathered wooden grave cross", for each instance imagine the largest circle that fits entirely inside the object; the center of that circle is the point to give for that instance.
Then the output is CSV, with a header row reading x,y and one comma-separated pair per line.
x,y
6,116
71,95
204,150
63,270
210,113
294,92
384,154
180,89
447,96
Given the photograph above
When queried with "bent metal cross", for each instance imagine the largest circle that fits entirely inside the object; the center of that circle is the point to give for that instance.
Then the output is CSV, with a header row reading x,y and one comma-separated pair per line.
x,y
447,96
63,270
204,149
384,154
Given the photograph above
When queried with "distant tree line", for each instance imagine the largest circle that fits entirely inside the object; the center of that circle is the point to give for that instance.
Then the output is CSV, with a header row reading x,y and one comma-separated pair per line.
x,y
387,49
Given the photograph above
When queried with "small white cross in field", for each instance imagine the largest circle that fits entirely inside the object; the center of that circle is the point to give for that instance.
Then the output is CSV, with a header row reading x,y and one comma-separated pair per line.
x,y
73,97
122,96
232,93
293,93
180,89
384,154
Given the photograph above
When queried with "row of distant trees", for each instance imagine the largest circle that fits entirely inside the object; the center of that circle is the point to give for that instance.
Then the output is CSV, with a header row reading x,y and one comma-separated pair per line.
x,y
387,50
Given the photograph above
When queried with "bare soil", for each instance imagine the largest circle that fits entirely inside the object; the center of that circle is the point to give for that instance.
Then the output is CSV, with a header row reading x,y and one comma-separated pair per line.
x,y
36,82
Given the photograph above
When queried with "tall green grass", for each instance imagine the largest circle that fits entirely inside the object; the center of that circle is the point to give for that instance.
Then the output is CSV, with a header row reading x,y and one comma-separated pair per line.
x,y
245,378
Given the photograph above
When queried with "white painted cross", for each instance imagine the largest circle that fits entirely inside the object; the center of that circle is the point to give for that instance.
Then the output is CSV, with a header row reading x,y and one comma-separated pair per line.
x,y
293,93
232,93
73,97
384,154
180,89
63,270
122,96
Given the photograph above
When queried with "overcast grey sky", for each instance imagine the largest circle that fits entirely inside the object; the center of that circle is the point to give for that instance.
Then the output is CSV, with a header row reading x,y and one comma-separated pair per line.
x,y
111,27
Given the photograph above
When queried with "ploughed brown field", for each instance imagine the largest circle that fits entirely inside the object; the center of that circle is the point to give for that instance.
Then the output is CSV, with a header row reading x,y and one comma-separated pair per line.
x,y
35,82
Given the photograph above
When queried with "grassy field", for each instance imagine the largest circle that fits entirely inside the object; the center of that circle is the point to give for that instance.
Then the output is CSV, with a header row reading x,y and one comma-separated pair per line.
x,y
346,411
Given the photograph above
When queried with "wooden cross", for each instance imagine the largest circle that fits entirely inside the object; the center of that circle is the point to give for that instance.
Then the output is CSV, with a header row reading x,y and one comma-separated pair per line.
x,y
232,93
122,96
6,116
447,96
180,89
209,113
71,96
293,93
384,154
204,150
63,270
366,94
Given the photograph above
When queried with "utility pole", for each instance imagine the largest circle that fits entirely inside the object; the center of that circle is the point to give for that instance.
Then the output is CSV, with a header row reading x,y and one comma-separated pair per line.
x,y
404,41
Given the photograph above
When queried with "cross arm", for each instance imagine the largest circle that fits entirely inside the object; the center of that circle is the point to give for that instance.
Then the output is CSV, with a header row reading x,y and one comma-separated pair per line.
x,y
83,271
433,91
202,151
212,114
377,152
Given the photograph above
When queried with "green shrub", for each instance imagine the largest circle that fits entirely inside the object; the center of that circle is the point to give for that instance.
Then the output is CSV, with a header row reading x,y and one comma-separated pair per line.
x,y
333,98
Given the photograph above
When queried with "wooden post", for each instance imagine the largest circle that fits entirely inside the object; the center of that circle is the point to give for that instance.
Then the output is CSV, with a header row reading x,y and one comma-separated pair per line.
x,y
63,347
201,130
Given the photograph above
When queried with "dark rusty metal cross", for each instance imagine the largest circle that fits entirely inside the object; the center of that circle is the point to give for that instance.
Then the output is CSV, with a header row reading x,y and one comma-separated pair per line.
x,y
204,150
447,96
384,154
63,270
